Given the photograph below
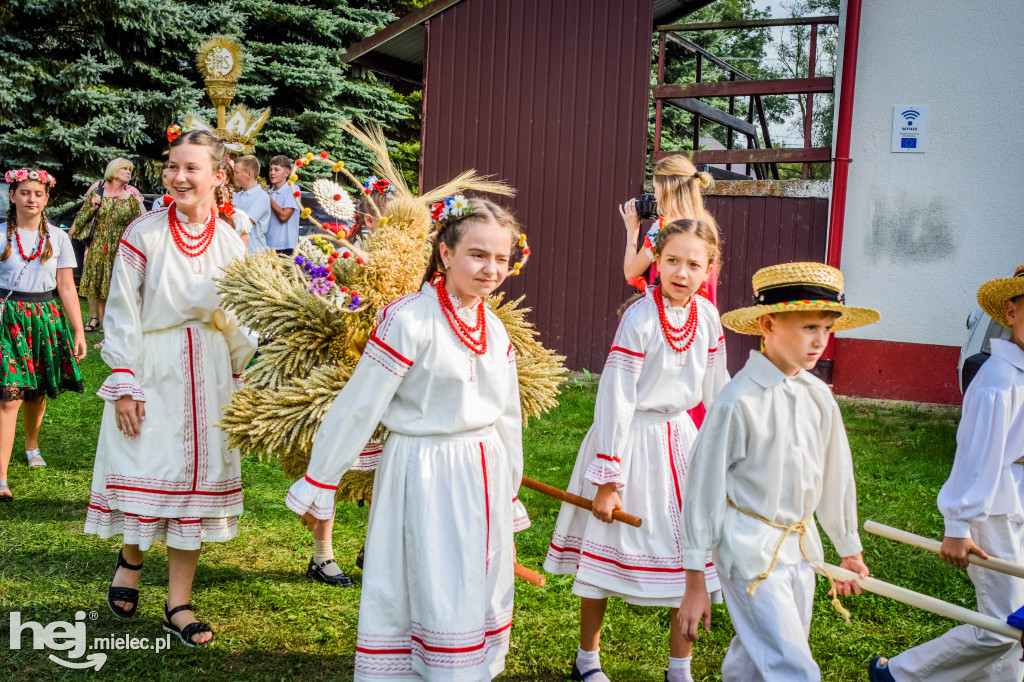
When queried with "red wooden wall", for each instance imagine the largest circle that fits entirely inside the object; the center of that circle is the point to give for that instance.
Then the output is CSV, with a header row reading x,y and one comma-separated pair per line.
x,y
550,96
760,231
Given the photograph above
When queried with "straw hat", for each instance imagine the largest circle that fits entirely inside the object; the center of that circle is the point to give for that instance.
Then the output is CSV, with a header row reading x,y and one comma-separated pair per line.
x,y
792,287
993,295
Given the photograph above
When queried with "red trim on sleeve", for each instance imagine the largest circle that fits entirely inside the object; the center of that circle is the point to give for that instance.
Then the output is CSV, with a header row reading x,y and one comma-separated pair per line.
x,y
141,255
318,484
121,369
391,351
627,351
609,458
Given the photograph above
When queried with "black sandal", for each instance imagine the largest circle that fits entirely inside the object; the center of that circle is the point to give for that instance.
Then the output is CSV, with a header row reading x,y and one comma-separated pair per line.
x,y
187,633
361,557
125,594
93,327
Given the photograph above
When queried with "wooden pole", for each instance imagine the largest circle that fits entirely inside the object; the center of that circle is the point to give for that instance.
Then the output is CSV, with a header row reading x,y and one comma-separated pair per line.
x,y
532,577
552,491
923,601
1000,565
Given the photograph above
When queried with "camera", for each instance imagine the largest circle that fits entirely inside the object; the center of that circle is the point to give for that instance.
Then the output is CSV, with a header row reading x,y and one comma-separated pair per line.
x,y
646,206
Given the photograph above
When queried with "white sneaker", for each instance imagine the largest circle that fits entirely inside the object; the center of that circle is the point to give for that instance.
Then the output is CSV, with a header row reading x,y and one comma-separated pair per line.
x,y
35,460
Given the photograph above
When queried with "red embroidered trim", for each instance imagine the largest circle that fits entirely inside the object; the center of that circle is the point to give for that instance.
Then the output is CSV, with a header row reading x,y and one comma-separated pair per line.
x,y
627,351
672,466
121,369
111,486
141,255
487,508
390,351
610,458
318,484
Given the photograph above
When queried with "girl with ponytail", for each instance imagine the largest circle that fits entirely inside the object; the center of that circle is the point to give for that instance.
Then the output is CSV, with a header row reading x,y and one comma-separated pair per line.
x,y
39,354
162,471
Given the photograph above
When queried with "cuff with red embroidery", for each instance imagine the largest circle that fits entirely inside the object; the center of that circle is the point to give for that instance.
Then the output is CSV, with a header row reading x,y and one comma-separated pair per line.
x,y
606,469
308,495
121,382
237,382
520,517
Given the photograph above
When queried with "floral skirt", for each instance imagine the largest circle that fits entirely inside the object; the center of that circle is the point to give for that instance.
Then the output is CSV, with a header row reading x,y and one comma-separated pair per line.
x,y
36,352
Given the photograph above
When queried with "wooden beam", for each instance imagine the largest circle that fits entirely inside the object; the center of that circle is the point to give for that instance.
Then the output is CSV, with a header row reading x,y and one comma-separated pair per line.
x,y
401,26
697,49
772,155
711,113
751,23
386,64
784,86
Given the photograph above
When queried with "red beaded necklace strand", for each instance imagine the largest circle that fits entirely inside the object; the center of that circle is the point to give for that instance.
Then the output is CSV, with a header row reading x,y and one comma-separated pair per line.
x,y
39,246
677,335
192,245
461,329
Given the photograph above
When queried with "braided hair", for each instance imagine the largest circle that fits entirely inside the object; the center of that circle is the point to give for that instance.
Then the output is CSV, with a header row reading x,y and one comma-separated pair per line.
x,y
12,224
450,231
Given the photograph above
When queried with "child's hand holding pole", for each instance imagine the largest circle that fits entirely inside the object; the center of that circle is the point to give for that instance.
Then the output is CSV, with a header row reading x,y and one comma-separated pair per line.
x,y
606,501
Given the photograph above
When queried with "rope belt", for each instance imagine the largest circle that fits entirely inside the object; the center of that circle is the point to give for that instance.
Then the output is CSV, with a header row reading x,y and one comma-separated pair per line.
x,y
799,528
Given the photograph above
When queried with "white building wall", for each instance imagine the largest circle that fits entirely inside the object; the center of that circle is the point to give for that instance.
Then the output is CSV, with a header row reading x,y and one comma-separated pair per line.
x,y
923,231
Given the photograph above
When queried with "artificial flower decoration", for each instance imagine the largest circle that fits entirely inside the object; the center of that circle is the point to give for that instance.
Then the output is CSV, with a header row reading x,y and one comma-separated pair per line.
x,y
172,132
380,185
456,206
23,174
651,238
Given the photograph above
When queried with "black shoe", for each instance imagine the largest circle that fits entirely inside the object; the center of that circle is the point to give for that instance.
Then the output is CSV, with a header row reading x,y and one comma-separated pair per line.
x,y
186,634
360,557
316,572
577,676
879,674
125,594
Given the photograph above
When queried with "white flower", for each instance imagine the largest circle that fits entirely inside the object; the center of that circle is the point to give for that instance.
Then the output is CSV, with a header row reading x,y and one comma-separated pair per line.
x,y
458,205
32,175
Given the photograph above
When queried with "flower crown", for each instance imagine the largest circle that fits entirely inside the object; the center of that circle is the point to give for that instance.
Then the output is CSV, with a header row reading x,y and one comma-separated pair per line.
x,y
23,174
453,207
380,185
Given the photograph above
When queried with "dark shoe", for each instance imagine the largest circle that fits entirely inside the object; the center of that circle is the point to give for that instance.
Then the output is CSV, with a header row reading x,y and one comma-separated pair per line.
x,y
879,674
316,572
577,676
92,327
360,557
125,594
186,634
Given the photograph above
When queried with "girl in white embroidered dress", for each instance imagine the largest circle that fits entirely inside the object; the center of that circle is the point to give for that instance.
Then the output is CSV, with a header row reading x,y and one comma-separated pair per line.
x,y
667,357
440,374
163,471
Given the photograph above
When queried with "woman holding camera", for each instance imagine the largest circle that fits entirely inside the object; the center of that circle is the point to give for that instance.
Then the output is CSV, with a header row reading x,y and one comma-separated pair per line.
x,y
111,205
677,186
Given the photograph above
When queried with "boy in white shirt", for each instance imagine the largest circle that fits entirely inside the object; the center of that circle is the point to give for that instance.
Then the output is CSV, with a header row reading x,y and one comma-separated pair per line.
x,y
254,200
982,503
771,455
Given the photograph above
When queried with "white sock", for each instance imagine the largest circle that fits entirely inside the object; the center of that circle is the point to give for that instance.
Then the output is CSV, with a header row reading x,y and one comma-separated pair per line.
x,y
323,551
588,660
679,670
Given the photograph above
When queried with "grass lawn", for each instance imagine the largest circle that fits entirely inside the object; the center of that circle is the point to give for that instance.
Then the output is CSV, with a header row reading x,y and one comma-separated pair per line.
x,y
272,623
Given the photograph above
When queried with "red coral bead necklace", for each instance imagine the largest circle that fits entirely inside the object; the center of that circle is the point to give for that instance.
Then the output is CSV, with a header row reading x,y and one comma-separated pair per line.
x,y
39,246
462,330
191,245
680,338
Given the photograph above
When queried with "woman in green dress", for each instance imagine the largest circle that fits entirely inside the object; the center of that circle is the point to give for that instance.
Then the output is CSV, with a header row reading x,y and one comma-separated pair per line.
x,y
114,211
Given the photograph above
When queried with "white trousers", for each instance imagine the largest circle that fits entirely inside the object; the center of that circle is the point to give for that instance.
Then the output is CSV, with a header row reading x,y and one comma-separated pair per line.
x,y
967,653
771,627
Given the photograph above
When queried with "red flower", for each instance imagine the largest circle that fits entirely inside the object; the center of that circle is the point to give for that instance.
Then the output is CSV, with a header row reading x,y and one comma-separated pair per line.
x,y
31,366
10,368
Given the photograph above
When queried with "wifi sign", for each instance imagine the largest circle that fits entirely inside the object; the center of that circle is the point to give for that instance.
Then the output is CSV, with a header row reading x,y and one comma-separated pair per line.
x,y
909,128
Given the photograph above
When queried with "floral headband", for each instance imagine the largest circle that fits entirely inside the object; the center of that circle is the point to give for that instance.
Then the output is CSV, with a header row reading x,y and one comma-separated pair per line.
x,y
651,238
23,174
458,207
380,185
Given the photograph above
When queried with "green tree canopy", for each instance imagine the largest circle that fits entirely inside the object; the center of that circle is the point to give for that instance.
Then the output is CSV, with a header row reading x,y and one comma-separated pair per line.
x,y
87,80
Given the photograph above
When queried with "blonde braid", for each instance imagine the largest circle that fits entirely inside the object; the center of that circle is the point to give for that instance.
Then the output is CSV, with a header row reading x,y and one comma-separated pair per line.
x,y
44,230
12,223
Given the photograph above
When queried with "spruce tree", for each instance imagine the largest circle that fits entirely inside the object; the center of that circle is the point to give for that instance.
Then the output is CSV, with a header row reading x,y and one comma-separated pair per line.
x,y
87,80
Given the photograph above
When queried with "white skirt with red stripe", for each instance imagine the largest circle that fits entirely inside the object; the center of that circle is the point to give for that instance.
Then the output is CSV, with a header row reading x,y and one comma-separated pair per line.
x,y
641,565
438,572
177,481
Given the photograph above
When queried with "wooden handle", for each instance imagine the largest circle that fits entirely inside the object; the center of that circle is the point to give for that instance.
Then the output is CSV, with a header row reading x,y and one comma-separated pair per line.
x,y
532,577
558,494
923,601
1000,565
